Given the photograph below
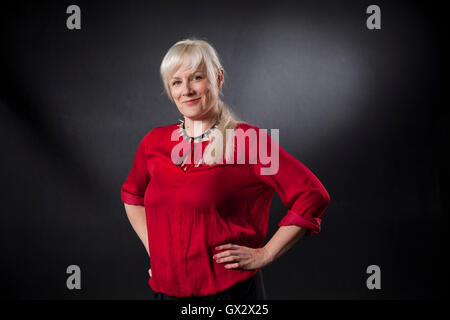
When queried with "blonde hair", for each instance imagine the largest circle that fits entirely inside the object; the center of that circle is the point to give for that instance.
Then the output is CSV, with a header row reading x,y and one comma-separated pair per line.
x,y
201,52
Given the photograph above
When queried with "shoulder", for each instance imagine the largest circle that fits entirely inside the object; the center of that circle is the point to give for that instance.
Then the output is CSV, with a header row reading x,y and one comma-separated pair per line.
x,y
255,135
159,132
250,130
244,126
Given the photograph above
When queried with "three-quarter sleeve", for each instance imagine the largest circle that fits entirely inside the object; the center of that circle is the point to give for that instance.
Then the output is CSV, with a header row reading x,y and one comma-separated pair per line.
x,y
298,188
133,190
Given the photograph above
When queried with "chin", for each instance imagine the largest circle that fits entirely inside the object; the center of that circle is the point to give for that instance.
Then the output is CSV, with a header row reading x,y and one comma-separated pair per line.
x,y
191,113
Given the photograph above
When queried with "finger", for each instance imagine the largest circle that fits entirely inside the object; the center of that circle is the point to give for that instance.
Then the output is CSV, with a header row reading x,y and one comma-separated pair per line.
x,y
150,272
232,265
227,246
225,254
228,259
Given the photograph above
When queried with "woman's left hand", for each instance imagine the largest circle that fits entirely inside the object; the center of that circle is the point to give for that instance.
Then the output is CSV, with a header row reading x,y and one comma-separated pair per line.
x,y
235,256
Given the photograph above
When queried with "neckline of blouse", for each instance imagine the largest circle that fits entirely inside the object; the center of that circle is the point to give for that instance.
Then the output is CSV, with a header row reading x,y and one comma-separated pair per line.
x,y
204,135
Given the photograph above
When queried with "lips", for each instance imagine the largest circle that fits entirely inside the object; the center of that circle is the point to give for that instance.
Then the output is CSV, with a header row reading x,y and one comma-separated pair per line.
x,y
190,101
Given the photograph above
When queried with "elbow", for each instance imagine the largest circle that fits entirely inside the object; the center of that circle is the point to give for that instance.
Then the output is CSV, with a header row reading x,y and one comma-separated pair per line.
x,y
132,199
322,200
326,197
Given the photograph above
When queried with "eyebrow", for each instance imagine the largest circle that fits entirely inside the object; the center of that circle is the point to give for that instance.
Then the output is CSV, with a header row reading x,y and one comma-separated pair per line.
x,y
191,74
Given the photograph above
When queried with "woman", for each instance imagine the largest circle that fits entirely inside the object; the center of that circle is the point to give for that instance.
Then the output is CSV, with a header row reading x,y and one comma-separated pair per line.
x,y
202,215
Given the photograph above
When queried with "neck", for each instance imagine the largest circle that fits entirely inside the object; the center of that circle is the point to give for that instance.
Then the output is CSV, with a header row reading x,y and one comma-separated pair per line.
x,y
201,124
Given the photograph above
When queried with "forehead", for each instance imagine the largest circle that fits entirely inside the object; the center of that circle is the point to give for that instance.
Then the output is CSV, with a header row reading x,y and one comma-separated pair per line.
x,y
186,69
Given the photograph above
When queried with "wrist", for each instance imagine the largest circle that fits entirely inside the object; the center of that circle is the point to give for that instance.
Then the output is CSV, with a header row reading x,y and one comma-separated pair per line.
x,y
268,255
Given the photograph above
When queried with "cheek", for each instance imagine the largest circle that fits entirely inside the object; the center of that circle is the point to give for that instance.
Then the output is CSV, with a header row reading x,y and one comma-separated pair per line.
x,y
175,94
203,88
208,95
206,92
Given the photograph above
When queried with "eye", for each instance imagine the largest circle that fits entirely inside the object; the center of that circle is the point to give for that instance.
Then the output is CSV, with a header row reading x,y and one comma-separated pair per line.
x,y
175,82
197,77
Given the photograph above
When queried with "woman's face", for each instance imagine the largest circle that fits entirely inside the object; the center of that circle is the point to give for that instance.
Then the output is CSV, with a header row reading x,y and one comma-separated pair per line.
x,y
190,92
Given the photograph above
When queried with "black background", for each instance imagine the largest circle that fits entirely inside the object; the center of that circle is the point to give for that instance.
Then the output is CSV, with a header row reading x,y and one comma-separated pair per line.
x,y
363,109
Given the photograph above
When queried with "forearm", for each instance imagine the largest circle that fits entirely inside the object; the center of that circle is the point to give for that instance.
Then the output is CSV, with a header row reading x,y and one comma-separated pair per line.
x,y
282,240
136,216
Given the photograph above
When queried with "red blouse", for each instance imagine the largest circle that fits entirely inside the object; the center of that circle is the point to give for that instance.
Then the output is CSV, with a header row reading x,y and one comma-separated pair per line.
x,y
191,212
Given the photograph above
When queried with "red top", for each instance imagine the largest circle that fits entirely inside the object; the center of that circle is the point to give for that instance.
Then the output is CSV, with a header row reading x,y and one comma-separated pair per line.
x,y
191,212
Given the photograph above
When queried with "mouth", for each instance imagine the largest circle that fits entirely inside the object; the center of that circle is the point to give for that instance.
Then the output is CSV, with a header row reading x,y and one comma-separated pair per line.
x,y
193,101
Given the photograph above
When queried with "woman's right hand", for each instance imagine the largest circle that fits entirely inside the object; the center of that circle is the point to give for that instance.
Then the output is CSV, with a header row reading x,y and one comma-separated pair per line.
x,y
150,272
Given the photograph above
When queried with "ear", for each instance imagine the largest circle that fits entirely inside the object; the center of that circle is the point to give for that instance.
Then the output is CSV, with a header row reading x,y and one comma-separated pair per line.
x,y
220,79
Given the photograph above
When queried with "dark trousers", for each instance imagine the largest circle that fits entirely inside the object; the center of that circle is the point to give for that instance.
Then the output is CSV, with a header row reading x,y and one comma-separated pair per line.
x,y
251,289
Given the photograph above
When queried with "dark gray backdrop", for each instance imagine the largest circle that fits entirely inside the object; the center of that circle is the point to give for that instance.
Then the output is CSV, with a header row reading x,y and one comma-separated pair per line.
x,y
361,108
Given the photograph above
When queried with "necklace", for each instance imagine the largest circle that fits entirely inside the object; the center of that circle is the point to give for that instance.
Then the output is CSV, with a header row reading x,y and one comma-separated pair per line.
x,y
198,138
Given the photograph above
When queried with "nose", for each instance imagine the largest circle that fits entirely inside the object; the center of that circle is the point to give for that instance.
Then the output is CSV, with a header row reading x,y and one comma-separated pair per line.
x,y
187,89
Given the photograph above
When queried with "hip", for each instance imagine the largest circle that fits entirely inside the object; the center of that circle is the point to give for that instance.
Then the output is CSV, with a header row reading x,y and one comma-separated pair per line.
x,y
250,289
